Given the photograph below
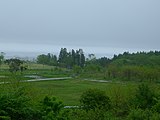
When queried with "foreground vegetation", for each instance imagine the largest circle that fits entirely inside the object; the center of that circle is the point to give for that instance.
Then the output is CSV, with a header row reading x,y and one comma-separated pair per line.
x,y
96,101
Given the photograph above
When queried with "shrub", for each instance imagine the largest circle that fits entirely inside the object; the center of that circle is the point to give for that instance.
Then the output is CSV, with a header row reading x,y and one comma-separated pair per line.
x,y
94,98
15,105
139,114
120,104
155,116
145,97
52,109
97,114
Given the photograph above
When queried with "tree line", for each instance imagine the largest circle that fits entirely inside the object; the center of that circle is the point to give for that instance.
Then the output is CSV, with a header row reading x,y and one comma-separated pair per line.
x,y
65,58
136,66
140,66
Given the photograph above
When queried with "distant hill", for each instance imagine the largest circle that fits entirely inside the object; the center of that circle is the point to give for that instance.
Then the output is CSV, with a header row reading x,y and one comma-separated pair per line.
x,y
151,58
140,66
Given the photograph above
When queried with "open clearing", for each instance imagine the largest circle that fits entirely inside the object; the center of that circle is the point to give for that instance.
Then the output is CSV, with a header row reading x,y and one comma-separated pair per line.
x,y
69,91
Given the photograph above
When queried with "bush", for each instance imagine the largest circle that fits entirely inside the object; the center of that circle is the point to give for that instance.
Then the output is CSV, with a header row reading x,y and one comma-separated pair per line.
x,y
155,116
120,104
15,105
94,98
156,107
52,109
145,97
139,114
97,114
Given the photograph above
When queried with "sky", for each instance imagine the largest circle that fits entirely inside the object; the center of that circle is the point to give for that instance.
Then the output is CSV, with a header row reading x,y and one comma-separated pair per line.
x,y
97,26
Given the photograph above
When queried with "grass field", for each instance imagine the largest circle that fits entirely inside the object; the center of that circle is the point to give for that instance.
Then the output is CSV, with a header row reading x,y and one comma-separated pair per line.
x,y
69,91
30,66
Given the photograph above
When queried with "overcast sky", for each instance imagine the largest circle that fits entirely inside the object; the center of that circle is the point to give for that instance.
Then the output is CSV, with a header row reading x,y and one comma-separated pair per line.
x,y
101,26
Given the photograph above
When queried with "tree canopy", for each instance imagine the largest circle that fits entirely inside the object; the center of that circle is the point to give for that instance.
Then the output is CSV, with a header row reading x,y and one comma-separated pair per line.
x,y
65,58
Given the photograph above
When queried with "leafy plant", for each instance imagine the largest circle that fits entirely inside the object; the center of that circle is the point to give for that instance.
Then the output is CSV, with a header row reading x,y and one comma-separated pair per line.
x,y
145,97
15,105
139,114
52,109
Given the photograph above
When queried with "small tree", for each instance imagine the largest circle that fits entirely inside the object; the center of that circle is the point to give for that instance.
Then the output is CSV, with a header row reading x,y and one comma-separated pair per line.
x,y
1,58
77,70
15,65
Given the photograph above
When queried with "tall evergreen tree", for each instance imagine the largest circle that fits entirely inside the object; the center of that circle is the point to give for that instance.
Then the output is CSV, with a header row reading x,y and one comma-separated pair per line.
x,y
73,57
82,58
70,59
63,56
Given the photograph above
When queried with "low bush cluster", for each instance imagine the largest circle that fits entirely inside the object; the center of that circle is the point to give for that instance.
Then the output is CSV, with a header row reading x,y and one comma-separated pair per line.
x,y
143,105
16,105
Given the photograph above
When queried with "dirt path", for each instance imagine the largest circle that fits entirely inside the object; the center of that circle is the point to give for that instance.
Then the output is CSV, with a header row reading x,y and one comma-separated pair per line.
x,y
41,79
62,78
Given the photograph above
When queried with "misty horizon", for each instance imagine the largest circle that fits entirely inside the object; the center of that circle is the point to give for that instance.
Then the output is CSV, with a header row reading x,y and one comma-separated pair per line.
x,y
99,27
107,52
